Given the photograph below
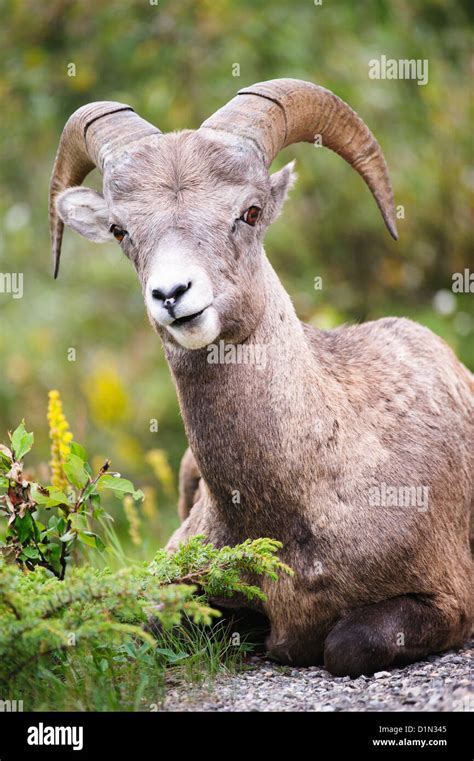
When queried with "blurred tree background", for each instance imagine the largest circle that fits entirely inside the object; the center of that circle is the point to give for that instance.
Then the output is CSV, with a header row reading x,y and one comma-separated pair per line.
x,y
175,63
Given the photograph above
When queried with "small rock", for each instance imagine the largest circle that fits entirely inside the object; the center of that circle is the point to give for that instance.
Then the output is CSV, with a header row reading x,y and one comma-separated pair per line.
x,y
381,674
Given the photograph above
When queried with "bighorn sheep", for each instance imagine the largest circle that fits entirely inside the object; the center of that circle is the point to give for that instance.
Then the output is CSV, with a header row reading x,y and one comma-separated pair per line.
x,y
352,446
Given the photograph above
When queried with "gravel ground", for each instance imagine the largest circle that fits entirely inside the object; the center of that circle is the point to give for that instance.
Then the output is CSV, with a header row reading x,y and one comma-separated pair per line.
x,y
440,683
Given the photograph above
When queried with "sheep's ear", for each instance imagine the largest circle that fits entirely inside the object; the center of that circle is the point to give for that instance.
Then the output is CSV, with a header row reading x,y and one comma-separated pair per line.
x,y
281,183
85,211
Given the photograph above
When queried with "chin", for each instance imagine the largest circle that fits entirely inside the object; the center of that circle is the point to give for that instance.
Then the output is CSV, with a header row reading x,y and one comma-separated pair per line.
x,y
198,333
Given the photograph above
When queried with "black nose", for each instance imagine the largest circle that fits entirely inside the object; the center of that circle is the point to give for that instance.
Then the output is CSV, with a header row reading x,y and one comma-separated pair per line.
x,y
170,297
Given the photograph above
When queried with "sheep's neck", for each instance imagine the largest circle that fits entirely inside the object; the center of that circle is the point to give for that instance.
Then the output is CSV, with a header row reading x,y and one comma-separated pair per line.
x,y
249,422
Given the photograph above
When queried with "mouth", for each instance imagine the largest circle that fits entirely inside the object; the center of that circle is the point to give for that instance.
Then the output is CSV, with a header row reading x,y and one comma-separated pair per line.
x,y
187,319
196,330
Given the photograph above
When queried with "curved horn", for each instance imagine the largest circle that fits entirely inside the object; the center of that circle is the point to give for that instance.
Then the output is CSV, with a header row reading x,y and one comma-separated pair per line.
x,y
90,140
280,112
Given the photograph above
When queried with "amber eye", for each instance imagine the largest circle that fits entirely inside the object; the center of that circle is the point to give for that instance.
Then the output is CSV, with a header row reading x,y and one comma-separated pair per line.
x,y
118,233
251,216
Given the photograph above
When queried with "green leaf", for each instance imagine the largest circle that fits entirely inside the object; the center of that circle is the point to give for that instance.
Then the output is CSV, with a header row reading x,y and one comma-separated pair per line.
x,y
31,553
94,501
54,552
54,498
121,486
92,540
79,451
22,441
78,522
4,483
24,527
87,537
75,471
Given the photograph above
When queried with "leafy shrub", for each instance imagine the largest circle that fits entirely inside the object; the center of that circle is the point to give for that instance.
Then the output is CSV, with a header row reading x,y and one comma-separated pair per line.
x,y
85,631
95,617
46,522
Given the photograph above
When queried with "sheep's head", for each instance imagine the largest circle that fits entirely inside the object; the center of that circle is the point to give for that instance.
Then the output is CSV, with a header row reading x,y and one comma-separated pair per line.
x,y
190,209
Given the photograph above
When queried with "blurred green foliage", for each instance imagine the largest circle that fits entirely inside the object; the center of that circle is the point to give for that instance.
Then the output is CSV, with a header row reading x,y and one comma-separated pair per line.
x,y
173,61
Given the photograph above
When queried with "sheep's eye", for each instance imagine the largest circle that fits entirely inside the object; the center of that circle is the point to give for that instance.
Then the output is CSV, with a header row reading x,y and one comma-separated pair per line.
x,y
251,216
117,232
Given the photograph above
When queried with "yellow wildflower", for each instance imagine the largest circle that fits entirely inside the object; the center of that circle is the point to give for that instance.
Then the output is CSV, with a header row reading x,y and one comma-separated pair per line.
x,y
107,396
159,462
61,438
149,505
133,519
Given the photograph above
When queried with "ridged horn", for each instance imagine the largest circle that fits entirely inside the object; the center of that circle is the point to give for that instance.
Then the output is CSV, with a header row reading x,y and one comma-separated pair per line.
x,y
94,136
280,112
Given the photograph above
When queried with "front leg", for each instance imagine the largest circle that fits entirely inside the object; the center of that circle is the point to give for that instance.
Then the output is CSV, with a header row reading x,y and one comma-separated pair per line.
x,y
189,484
393,632
195,523
199,516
